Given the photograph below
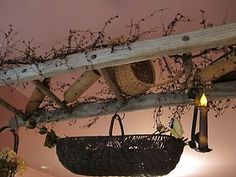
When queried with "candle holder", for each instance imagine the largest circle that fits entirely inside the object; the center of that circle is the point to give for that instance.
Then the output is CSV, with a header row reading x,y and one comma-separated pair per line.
x,y
203,129
199,141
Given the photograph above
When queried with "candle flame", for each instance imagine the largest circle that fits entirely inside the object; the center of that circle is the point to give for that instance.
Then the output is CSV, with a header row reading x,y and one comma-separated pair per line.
x,y
203,100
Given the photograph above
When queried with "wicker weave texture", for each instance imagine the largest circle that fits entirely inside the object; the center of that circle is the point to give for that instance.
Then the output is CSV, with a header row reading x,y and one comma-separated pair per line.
x,y
126,155
136,78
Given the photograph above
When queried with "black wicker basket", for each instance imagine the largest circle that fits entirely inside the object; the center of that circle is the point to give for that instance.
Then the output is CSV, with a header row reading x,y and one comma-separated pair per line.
x,y
125,155
8,169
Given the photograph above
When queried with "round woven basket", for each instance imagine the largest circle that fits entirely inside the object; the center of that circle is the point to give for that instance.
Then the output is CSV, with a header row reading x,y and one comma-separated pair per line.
x,y
135,78
120,155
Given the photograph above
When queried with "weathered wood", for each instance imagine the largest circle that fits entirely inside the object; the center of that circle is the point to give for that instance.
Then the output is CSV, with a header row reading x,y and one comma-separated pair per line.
x,y
35,100
87,79
218,68
218,91
108,77
188,70
9,107
144,50
51,95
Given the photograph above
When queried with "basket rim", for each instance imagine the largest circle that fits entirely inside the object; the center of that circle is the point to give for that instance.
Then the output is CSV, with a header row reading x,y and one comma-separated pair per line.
x,y
140,81
119,136
129,83
102,153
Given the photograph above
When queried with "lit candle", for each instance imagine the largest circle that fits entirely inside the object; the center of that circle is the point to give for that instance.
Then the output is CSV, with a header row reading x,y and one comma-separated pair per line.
x,y
203,127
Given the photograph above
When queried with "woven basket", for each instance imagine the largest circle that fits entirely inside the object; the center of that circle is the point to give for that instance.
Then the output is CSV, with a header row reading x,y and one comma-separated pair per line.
x,y
135,78
125,155
8,169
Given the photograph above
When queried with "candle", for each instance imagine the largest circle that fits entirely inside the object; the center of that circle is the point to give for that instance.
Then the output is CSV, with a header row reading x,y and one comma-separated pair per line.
x,y
203,127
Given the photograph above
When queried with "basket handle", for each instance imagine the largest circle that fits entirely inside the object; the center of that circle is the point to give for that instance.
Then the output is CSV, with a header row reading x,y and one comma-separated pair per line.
x,y
117,117
16,136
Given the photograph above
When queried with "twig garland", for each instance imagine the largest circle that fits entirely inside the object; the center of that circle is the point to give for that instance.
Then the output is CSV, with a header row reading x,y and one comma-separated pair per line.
x,y
84,41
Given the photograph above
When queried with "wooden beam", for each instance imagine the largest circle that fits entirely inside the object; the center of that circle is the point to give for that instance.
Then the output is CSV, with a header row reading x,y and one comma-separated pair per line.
x,y
9,107
144,50
218,68
218,91
87,79
108,77
46,91
18,113
188,70
36,99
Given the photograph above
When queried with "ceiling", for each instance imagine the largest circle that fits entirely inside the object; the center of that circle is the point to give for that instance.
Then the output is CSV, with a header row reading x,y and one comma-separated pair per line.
x,y
49,21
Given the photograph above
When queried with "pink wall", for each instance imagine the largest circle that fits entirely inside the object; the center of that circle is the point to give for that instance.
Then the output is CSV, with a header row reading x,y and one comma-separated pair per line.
x,y
16,99
34,173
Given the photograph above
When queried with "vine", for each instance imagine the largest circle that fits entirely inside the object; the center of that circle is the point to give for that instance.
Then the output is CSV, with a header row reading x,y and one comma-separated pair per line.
x,y
84,41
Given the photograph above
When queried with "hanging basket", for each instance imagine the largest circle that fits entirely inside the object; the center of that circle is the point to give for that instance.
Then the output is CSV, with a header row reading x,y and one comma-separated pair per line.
x,y
8,169
125,155
135,78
